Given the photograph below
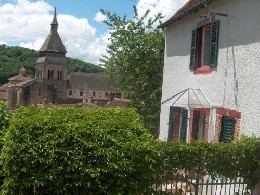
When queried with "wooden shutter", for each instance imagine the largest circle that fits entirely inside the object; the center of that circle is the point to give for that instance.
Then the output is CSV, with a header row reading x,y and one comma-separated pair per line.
x,y
193,49
227,129
214,44
170,129
183,129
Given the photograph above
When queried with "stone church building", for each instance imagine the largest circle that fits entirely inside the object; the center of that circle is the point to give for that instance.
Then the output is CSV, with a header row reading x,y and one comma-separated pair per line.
x,y
52,85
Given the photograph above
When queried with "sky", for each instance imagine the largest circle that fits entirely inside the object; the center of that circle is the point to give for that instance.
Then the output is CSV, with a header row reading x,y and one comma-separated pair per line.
x,y
26,23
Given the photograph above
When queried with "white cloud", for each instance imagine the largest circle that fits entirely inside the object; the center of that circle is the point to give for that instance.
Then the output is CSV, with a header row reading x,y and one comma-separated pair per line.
x,y
166,7
27,23
100,17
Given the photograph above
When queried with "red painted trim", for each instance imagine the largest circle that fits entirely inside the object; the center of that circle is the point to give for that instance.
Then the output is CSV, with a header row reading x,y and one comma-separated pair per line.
x,y
205,110
228,112
203,70
204,23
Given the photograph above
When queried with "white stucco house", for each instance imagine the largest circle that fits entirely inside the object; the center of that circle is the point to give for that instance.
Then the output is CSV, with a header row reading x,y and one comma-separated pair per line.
x,y
211,78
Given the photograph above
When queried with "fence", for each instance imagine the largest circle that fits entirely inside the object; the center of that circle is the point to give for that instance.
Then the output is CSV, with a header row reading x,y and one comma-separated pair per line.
x,y
197,184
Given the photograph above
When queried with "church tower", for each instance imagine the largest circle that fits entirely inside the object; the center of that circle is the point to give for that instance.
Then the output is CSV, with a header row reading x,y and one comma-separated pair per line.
x,y
51,64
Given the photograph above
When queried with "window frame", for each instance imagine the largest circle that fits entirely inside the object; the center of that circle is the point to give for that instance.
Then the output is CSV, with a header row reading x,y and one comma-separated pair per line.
x,y
197,40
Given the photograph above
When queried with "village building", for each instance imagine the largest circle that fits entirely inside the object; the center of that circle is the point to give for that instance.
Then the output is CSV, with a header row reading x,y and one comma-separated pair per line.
x,y
211,71
52,84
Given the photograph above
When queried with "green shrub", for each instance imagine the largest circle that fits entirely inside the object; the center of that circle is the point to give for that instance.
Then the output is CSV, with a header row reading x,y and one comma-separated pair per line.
x,y
72,150
4,121
78,151
232,160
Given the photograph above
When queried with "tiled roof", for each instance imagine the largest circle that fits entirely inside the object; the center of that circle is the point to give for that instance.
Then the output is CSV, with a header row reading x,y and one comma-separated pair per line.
x,y
97,81
30,82
53,43
190,7
3,95
3,87
116,102
20,78
81,105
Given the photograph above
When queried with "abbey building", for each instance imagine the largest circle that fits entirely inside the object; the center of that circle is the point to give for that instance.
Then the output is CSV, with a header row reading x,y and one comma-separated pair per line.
x,y
52,84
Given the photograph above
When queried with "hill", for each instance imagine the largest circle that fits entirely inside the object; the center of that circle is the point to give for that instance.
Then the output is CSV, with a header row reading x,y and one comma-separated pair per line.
x,y
12,58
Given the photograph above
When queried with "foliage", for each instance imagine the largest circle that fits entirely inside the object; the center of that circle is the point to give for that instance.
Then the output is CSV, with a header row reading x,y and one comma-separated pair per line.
x,y
68,150
4,122
12,58
135,59
232,160
77,151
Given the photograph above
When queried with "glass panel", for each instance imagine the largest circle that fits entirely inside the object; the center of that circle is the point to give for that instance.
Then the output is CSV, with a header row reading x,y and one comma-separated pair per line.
x,y
206,59
207,48
207,34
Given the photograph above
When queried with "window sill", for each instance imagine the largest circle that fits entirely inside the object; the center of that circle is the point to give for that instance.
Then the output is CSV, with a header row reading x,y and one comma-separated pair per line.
x,y
203,70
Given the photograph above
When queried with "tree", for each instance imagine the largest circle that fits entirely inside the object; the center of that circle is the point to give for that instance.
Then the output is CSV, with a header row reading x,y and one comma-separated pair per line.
x,y
12,58
135,59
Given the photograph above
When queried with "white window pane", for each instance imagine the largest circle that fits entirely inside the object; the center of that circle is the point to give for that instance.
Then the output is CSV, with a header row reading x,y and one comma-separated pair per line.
x,y
206,59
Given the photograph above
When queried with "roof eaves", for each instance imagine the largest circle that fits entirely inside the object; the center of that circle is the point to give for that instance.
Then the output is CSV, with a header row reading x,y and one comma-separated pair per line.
x,y
185,13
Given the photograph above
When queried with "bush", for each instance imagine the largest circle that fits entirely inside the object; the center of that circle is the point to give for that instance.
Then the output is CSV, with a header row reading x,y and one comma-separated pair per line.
x,y
4,121
78,151
72,150
232,160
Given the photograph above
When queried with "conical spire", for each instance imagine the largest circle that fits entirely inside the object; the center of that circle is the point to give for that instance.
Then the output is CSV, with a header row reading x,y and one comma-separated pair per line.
x,y
54,24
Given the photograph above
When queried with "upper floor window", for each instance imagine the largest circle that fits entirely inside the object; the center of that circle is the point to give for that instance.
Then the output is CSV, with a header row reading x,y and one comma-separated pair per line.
x,y
204,46
70,92
81,93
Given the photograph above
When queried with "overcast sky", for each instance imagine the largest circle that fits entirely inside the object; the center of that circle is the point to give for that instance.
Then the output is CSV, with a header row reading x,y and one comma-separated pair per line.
x,y
26,22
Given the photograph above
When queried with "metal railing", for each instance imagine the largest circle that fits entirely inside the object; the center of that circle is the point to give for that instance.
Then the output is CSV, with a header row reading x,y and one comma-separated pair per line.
x,y
197,184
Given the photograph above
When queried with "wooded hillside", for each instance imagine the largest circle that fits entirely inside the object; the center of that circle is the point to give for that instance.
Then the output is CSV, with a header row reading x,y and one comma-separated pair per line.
x,y
12,58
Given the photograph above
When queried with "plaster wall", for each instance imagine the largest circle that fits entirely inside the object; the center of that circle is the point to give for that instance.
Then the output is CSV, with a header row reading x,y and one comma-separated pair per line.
x,y
234,84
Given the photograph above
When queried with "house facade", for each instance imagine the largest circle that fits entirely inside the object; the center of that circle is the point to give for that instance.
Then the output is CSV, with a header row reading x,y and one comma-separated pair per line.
x,y
211,71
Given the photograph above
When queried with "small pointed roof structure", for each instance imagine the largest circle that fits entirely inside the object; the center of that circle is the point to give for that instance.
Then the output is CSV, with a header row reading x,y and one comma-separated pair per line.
x,y
53,42
188,98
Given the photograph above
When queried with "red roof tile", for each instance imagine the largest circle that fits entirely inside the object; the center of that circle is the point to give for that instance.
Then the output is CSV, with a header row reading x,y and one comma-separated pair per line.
x,y
4,87
20,78
116,102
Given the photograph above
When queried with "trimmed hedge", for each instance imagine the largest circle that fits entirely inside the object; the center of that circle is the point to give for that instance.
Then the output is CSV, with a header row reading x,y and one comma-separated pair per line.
x,y
68,150
232,160
77,151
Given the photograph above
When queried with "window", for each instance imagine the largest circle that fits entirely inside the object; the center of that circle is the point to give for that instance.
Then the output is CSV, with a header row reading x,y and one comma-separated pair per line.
x,y
178,119
81,93
227,130
49,74
198,125
94,93
204,46
70,92
61,77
